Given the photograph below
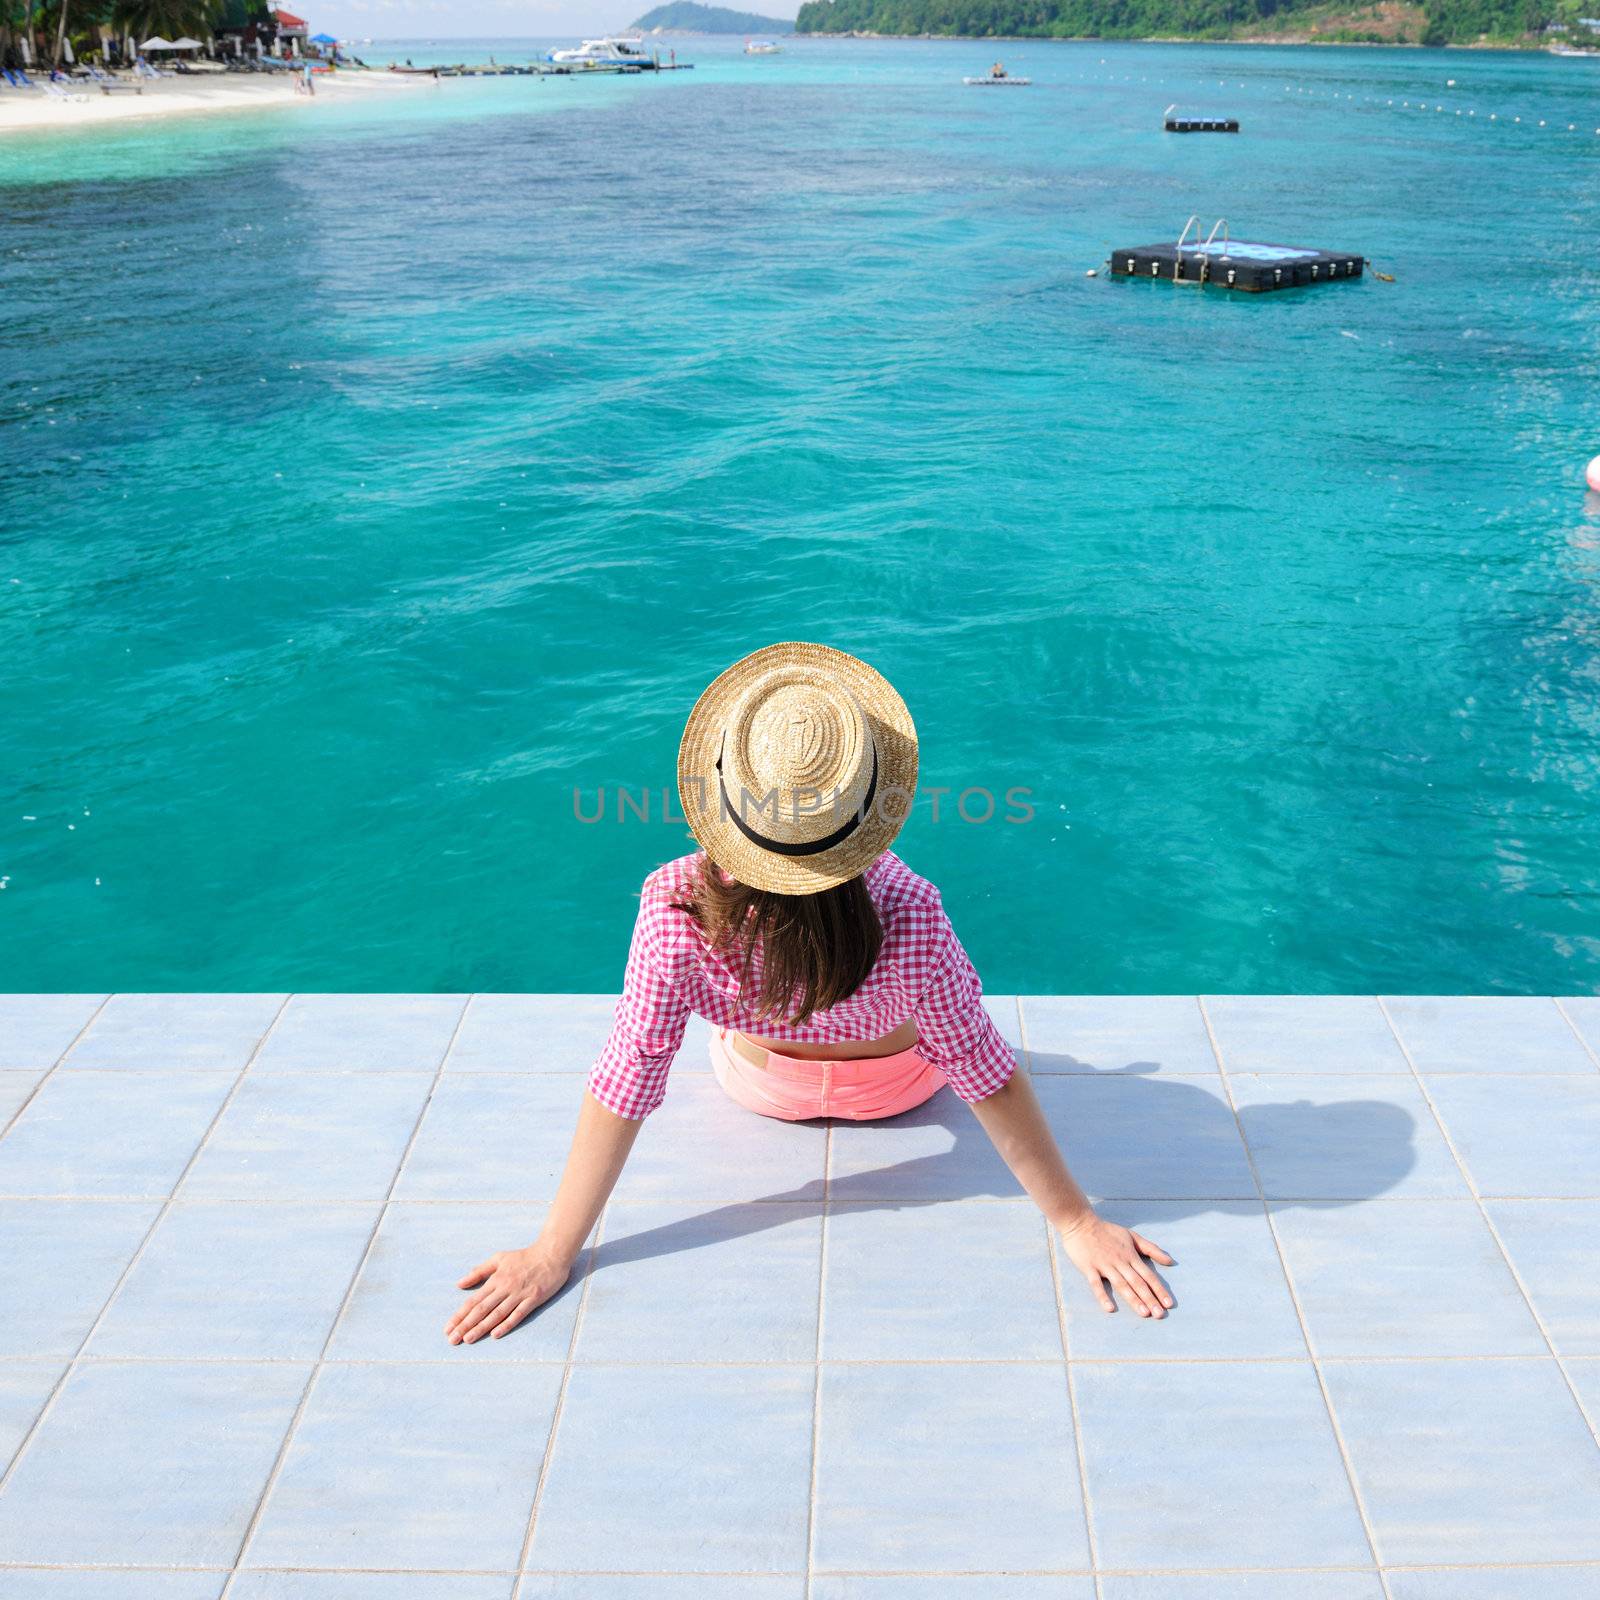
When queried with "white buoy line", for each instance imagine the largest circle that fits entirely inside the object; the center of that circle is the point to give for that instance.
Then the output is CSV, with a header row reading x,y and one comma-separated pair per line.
x,y
1424,105
1340,94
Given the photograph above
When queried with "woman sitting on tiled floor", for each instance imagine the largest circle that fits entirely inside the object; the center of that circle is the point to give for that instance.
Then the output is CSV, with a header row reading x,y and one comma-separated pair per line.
x,y
831,974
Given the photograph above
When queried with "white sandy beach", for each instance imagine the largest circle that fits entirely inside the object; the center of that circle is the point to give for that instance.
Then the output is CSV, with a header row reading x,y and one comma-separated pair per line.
x,y
166,97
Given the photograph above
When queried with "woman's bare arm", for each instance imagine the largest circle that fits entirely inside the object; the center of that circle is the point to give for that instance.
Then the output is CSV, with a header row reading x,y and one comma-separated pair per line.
x,y
1102,1251
512,1283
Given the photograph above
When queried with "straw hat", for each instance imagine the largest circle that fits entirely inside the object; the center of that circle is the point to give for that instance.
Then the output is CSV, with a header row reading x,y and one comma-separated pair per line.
x,y
797,768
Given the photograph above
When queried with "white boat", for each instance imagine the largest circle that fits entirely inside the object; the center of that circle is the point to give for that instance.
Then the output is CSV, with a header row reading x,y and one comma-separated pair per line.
x,y
997,80
1567,50
616,50
762,47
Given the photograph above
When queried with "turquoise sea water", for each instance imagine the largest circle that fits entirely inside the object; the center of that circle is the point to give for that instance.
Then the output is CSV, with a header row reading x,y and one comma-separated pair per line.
x,y
372,476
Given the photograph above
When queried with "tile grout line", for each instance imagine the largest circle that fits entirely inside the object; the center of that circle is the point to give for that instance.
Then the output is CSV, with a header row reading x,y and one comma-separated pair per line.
x,y
344,1304
557,1410
50,1071
1072,1404
1577,1032
852,1361
162,1209
816,1362
1294,1300
834,1572
1066,1342
852,1572
1488,1221
861,1201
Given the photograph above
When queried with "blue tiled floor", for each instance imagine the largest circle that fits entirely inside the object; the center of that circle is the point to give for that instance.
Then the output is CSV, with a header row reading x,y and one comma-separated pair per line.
x,y
362,1033
801,1362
117,1135
531,1033
261,1282
679,1469
397,1310
965,1281
691,1283
466,1150
1233,1302
1318,1136
38,1028
421,1465
1470,1461
945,1466
1552,1245
1331,1033
1494,1035
1405,1280
1116,1033
215,1032
149,1463
1251,1443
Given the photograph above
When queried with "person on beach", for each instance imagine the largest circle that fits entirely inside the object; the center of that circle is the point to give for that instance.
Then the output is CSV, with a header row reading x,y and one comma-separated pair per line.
x,y
834,981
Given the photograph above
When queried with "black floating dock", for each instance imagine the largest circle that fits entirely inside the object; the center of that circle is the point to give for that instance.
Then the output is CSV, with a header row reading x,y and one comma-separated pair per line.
x,y
1237,264
1202,124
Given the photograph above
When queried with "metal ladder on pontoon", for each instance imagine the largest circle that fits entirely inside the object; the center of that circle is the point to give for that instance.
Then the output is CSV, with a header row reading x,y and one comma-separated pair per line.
x,y
1203,248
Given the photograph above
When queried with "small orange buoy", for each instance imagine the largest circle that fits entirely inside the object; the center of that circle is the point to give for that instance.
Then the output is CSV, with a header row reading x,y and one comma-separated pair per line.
x,y
1593,475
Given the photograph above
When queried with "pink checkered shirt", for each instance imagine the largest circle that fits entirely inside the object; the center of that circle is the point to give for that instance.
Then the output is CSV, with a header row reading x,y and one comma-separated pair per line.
x,y
922,973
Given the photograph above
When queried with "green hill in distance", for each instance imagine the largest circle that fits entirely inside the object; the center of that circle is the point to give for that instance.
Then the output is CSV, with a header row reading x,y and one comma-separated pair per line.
x,y
1431,22
686,16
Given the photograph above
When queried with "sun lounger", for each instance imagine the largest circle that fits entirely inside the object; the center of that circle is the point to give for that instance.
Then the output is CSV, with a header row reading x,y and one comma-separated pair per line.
x,y
56,92
107,82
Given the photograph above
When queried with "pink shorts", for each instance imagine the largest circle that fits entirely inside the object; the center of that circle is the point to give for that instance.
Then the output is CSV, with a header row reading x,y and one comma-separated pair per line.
x,y
795,1090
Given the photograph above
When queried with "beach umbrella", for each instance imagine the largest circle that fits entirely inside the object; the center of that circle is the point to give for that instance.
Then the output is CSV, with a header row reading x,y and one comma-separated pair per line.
x,y
156,42
187,43
66,50
323,38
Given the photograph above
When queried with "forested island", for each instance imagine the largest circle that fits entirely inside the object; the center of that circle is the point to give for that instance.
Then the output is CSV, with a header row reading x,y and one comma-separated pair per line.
x,y
1432,22
685,16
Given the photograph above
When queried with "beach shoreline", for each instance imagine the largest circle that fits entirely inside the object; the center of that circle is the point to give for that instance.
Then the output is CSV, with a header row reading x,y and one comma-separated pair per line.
x,y
26,110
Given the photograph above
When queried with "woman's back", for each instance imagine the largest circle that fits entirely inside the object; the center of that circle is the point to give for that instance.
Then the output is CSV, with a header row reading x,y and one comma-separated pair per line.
x,y
921,975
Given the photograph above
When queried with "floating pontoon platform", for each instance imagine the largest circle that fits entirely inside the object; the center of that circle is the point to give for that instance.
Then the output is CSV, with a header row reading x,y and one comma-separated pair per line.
x,y
1202,125
1234,263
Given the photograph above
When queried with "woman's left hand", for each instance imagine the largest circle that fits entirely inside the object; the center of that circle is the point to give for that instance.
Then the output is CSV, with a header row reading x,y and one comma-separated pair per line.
x,y
1107,1253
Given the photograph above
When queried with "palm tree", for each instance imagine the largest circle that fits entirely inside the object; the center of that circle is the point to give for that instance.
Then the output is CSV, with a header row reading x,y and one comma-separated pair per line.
x,y
172,18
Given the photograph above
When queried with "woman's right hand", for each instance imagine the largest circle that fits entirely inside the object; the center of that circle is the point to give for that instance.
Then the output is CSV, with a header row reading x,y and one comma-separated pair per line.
x,y
510,1285
1107,1253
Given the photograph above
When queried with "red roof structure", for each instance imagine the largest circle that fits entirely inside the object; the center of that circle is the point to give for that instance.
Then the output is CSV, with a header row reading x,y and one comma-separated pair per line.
x,y
287,19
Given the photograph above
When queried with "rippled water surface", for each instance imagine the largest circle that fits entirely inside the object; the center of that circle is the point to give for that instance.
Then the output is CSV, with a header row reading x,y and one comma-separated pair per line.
x,y
372,476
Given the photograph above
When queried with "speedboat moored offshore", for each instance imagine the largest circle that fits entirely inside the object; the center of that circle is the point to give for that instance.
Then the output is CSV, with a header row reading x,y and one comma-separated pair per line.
x,y
616,50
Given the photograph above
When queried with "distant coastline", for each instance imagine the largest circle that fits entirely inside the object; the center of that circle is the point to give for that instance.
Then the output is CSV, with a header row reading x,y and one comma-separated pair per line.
x,y
1470,24
688,18
1512,45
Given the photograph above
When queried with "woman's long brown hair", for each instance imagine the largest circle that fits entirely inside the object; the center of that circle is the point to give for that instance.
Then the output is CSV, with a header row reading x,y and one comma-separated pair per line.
x,y
816,949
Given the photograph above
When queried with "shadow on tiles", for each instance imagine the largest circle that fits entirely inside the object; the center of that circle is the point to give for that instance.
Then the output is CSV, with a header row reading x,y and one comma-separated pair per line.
x,y
1129,1136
